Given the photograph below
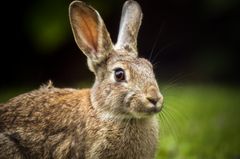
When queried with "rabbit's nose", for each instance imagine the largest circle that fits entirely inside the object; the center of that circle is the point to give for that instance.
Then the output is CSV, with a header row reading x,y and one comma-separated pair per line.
x,y
153,100
154,96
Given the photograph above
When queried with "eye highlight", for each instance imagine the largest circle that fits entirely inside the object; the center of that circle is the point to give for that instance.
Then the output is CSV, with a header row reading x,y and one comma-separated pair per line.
x,y
119,75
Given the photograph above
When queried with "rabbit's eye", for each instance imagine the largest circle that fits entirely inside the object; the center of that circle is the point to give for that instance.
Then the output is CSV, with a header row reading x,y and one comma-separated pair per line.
x,y
119,74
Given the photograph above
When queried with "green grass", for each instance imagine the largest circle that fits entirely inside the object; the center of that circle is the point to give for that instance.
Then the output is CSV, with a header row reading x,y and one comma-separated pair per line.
x,y
200,122
197,122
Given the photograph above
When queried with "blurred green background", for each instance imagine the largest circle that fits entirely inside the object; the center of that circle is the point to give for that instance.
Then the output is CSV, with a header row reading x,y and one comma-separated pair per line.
x,y
194,44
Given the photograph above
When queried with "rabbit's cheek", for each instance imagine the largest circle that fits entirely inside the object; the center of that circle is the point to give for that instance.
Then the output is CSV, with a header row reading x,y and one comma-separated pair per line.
x,y
136,106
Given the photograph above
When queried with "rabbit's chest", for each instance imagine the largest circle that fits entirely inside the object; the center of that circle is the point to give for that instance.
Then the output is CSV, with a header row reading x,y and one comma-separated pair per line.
x,y
129,142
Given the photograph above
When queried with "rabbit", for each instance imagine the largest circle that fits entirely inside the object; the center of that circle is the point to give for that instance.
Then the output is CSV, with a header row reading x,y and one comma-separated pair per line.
x,y
115,119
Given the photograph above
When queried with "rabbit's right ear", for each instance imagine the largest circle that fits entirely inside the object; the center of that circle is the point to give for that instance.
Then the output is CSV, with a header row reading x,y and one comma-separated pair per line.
x,y
89,32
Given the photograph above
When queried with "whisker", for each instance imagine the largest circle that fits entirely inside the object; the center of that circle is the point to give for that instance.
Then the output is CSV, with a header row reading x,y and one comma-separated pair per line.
x,y
165,91
167,124
156,40
161,120
171,128
161,51
181,115
173,81
175,77
156,63
162,124
178,77
174,122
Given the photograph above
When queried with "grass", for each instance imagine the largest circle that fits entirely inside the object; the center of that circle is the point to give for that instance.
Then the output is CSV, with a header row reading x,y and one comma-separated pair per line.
x,y
200,122
197,122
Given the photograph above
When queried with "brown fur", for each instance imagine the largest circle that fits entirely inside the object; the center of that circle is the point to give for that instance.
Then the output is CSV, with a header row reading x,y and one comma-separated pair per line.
x,y
112,120
61,123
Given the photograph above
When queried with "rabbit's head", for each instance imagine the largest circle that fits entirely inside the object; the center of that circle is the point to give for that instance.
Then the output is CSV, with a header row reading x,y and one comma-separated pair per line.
x,y
125,85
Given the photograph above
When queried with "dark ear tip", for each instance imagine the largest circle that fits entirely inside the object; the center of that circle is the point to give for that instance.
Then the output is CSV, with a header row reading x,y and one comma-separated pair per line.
x,y
79,6
76,3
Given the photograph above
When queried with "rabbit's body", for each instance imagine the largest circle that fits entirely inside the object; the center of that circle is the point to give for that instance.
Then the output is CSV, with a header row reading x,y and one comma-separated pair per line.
x,y
65,125
44,123
115,119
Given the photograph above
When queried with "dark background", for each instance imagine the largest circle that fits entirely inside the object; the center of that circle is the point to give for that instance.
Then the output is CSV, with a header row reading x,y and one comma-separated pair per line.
x,y
194,41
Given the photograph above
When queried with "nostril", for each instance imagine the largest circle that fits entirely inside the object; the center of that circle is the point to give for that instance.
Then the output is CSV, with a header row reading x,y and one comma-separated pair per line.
x,y
153,100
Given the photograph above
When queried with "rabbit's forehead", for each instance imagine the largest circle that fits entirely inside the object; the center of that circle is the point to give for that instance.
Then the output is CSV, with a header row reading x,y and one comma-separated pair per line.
x,y
141,69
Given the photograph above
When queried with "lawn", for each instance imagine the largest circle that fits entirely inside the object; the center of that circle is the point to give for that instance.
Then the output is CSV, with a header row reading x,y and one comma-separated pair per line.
x,y
200,122
197,122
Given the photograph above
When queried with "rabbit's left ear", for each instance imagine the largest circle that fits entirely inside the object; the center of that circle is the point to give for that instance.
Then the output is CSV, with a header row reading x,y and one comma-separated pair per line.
x,y
129,26
89,32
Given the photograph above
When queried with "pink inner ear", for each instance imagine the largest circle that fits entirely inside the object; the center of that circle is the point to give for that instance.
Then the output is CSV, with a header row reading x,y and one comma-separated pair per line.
x,y
87,28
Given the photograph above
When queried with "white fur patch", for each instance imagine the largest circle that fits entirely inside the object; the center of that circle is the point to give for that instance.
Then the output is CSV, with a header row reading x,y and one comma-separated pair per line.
x,y
128,97
106,116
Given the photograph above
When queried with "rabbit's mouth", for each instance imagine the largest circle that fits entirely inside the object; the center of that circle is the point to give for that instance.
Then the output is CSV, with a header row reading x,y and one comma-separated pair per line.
x,y
140,107
143,110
